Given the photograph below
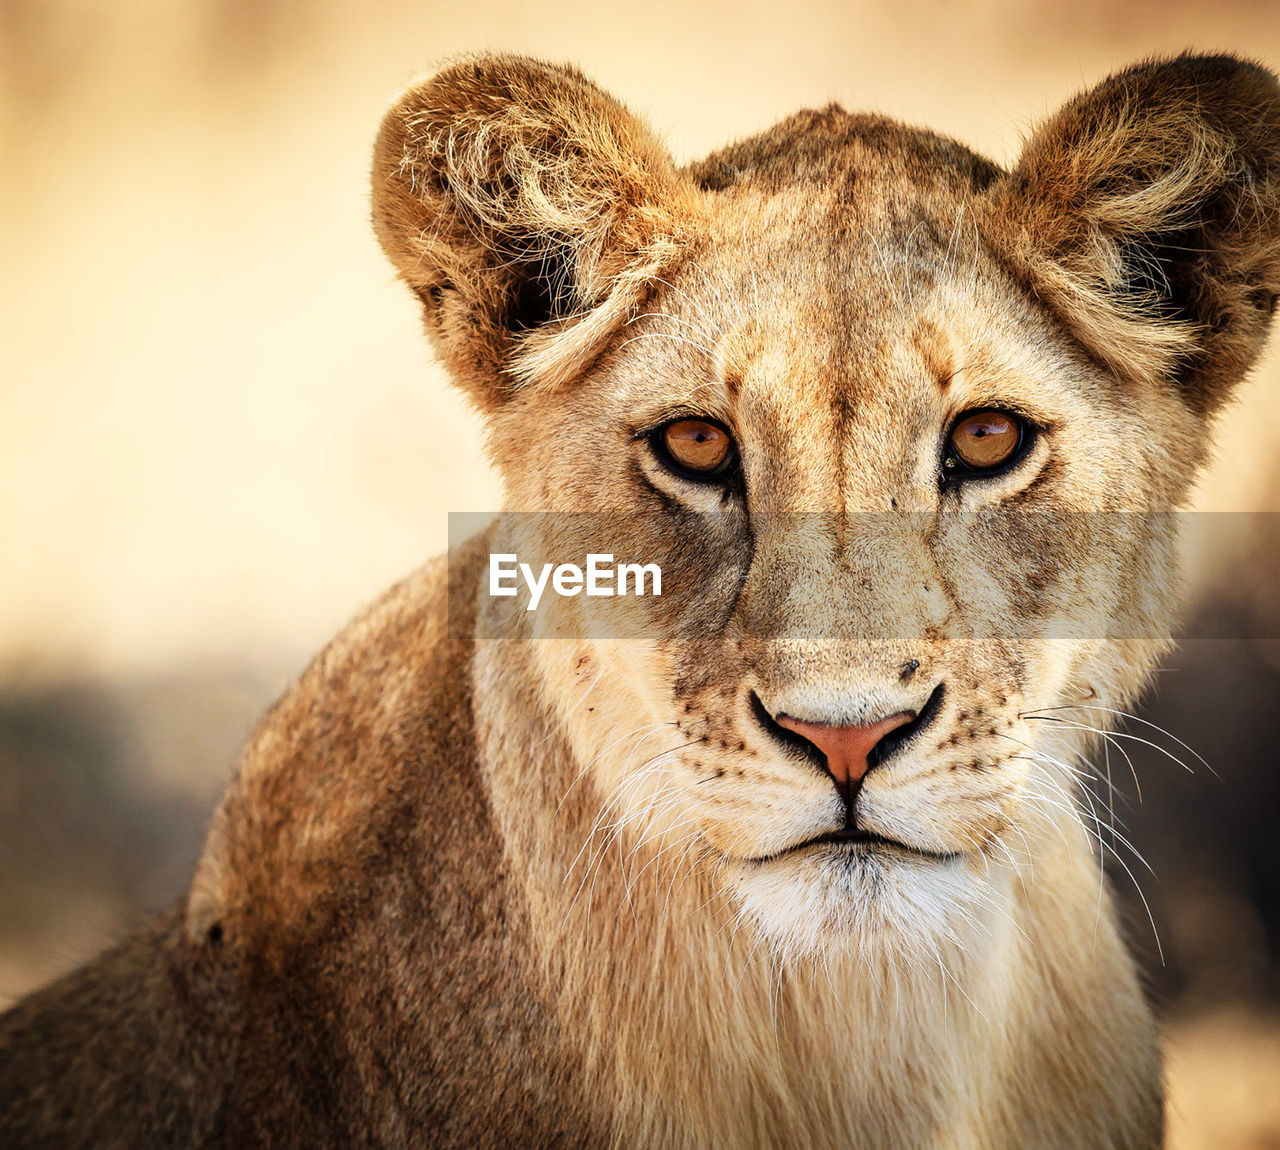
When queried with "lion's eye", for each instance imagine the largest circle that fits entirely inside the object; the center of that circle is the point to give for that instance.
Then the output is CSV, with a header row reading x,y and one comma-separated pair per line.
x,y
694,446
985,440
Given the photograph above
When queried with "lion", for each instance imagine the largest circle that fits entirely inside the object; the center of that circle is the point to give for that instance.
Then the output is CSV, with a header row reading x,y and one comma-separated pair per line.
x,y
798,852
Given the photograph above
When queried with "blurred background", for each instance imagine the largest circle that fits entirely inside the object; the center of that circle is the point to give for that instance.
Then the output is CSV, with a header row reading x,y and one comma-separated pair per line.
x,y
221,432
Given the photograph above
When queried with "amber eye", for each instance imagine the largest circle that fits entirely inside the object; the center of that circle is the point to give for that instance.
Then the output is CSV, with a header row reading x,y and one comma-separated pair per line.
x,y
695,446
985,440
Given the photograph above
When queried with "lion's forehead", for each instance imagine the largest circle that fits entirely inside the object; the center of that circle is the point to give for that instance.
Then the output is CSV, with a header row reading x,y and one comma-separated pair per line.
x,y
844,360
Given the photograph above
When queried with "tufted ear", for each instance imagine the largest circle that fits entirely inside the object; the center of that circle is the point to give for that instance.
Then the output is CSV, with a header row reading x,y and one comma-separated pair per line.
x,y
529,211
1146,214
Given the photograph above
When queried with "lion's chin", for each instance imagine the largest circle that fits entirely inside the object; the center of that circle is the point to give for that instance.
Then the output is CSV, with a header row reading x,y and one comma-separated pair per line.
x,y
860,897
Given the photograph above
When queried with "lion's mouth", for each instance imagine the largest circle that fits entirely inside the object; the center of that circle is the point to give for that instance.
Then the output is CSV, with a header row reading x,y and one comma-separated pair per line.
x,y
855,840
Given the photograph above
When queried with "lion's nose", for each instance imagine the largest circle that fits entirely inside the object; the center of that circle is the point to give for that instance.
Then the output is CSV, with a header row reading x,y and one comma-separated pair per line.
x,y
848,750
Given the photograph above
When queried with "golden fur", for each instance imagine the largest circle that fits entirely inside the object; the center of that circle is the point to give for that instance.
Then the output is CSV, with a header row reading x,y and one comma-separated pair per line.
x,y
496,877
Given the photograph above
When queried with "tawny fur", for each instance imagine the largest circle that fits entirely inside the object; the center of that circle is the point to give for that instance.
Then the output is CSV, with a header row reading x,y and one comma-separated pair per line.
x,y
480,880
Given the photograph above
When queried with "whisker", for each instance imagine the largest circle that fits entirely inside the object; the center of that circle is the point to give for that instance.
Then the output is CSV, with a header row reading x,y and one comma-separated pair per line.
x,y
1155,934
1067,724
650,727
1136,719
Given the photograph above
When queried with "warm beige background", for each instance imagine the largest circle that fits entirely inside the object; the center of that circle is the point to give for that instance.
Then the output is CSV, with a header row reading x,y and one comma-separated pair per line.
x,y
220,431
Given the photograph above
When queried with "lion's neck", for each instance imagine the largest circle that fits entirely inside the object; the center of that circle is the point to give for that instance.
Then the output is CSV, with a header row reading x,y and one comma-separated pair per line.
x,y
698,1035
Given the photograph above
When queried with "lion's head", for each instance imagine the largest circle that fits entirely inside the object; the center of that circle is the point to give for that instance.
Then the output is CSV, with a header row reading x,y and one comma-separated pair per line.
x,y
901,428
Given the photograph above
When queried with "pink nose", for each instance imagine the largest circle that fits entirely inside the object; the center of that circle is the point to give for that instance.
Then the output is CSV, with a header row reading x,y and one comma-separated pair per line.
x,y
846,748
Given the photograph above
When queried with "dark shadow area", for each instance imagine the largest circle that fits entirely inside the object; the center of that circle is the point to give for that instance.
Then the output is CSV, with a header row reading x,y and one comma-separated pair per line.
x,y
1207,831
105,793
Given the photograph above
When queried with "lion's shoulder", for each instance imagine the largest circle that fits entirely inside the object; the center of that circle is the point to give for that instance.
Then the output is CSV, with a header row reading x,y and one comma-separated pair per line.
x,y
368,751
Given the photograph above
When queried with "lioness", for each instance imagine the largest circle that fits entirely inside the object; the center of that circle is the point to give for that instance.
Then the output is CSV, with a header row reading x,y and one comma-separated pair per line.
x,y
803,858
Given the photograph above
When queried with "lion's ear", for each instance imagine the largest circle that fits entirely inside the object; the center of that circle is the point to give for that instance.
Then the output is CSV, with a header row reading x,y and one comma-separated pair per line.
x,y
529,211
1146,215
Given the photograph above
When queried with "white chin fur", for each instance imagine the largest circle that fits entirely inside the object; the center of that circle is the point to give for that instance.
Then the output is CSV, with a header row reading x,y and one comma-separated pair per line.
x,y
824,902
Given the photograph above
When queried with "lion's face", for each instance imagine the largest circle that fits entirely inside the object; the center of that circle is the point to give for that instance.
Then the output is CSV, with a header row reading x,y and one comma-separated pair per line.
x,y
900,429
838,562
